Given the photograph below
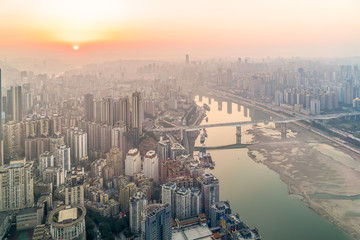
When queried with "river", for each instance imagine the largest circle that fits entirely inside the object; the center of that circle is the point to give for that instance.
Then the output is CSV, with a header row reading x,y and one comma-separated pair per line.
x,y
255,191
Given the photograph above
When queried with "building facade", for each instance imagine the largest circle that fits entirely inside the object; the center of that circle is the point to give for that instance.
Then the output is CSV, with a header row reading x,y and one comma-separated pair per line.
x,y
156,222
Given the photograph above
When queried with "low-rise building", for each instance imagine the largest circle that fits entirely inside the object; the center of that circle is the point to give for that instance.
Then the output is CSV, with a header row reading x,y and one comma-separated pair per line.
x,y
27,218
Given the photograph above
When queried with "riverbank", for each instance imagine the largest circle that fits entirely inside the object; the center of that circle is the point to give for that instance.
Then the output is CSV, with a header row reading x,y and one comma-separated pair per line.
x,y
310,164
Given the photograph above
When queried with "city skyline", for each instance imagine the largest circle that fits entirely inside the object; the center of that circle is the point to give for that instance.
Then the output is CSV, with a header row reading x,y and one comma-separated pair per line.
x,y
150,120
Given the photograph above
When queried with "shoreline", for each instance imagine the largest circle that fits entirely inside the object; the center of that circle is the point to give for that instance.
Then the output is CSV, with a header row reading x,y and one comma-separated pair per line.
x,y
292,173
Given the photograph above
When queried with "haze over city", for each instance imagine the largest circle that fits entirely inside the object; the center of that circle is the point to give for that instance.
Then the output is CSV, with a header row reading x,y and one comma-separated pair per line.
x,y
159,120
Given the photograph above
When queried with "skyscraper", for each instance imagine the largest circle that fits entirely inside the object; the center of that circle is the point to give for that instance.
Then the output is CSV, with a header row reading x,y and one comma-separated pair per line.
x,y
163,149
98,111
187,58
77,140
89,107
124,112
182,203
156,223
137,203
14,104
63,157
168,194
349,92
118,138
108,111
209,186
137,112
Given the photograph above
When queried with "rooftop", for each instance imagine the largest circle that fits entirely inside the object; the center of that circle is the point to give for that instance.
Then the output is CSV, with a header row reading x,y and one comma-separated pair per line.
x,y
27,211
193,232
68,214
150,154
133,152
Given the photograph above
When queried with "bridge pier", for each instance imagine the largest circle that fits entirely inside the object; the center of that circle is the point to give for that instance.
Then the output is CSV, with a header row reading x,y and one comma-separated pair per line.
x,y
229,107
283,130
238,134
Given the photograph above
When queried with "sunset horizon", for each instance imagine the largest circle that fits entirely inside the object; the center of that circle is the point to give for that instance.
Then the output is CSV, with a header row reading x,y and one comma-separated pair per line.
x,y
163,30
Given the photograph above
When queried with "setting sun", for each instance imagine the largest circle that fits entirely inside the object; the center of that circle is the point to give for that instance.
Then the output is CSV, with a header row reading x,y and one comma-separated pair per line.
x,y
76,47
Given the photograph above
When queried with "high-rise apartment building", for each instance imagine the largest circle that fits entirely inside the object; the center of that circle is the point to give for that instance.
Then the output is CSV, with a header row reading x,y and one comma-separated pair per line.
x,y
77,140
108,111
63,157
156,222
89,107
163,149
115,160
54,175
46,160
98,110
168,194
14,104
315,107
132,162
349,92
127,190
56,141
184,202
12,137
209,186
104,140
74,195
16,188
118,138
124,105
151,165
74,188
137,112
137,203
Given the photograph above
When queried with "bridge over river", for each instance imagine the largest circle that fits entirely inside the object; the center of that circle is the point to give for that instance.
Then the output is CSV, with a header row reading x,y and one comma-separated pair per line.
x,y
239,124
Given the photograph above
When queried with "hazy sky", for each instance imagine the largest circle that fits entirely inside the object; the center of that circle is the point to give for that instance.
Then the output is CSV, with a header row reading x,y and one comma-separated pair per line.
x,y
161,29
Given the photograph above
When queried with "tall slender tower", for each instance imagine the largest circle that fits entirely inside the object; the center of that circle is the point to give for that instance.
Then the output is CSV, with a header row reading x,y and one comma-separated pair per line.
x,y
89,107
14,104
125,112
137,112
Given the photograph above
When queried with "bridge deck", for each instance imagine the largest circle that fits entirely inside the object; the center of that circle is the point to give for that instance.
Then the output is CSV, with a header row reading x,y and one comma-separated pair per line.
x,y
283,120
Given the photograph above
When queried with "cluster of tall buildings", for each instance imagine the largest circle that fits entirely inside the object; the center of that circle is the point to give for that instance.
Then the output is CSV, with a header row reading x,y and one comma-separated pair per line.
x,y
111,111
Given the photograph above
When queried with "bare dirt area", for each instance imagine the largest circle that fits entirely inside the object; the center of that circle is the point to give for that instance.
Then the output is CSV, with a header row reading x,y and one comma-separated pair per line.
x,y
325,174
